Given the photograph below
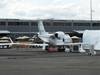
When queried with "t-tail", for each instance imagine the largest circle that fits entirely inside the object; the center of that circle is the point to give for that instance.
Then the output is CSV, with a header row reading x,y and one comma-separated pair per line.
x,y
41,28
43,35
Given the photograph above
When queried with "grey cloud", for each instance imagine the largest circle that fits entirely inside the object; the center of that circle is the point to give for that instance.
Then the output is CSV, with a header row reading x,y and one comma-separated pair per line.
x,y
46,14
58,9
3,3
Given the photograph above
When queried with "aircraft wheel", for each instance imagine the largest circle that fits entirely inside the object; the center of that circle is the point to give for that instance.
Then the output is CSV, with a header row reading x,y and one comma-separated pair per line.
x,y
91,54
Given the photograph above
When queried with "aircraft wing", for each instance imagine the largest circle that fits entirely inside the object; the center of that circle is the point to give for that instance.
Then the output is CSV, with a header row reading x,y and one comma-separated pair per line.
x,y
74,44
28,44
70,44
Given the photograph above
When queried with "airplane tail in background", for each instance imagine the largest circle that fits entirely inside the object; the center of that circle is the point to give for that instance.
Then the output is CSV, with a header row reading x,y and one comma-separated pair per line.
x,y
41,28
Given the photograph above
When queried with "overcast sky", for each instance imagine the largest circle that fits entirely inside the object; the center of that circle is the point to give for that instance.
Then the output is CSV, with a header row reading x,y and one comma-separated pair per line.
x,y
46,9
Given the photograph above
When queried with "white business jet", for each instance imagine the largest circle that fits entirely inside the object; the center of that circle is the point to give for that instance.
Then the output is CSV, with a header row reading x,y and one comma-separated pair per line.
x,y
58,39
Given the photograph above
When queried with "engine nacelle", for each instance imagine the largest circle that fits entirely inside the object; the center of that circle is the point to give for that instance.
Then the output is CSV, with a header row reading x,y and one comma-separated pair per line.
x,y
59,35
67,39
60,38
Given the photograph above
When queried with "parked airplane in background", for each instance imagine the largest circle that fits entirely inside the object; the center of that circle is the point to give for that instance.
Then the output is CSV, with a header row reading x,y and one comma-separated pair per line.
x,y
91,40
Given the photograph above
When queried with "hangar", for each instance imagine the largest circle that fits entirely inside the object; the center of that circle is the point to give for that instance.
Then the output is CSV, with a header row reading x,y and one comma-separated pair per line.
x,y
29,27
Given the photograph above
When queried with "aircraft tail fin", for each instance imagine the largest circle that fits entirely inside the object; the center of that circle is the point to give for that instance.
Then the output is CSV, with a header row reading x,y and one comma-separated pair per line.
x,y
41,28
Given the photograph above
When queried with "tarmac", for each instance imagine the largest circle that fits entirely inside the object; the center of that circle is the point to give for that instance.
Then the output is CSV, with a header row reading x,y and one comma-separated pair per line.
x,y
34,61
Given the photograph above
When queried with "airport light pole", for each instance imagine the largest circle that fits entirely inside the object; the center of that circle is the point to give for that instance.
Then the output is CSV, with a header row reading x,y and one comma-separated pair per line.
x,y
91,17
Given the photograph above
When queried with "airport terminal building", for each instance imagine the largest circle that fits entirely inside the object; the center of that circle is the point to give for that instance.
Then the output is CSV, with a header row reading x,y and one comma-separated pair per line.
x,y
18,26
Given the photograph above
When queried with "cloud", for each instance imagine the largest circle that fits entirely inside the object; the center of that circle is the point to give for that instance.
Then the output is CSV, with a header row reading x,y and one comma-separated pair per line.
x,y
58,9
3,4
